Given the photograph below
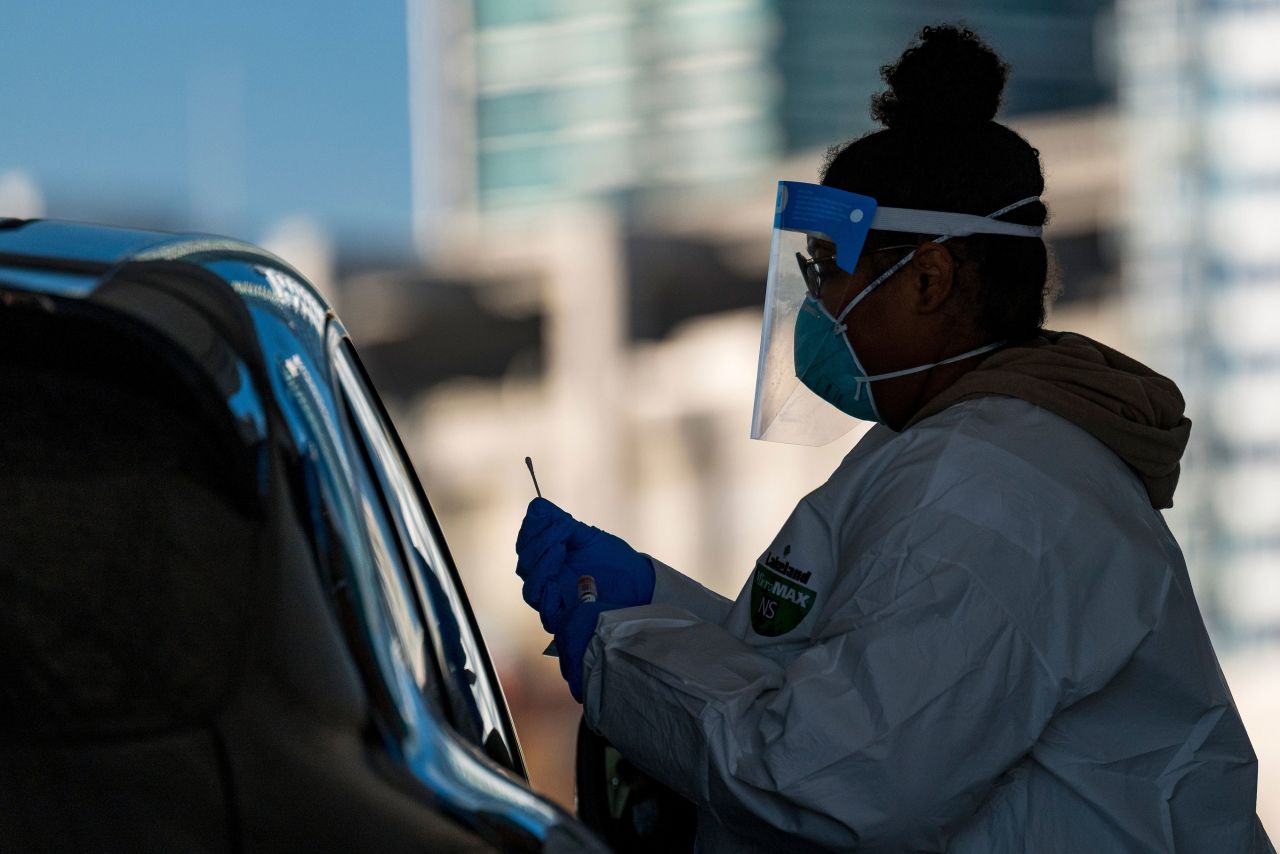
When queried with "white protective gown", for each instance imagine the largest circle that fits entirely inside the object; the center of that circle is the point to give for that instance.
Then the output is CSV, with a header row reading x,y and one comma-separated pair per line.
x,y
976,636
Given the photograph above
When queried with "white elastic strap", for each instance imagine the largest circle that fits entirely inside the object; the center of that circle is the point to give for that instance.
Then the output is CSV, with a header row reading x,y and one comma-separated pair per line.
x,y
914,221
974,352
910,218
879,280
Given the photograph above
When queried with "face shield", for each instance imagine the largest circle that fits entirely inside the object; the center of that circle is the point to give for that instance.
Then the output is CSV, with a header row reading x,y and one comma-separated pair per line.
x,y
817,232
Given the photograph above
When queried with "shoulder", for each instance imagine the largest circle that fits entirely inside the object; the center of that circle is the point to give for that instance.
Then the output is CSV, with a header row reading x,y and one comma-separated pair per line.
x,y
994,474
1024,506
1001,446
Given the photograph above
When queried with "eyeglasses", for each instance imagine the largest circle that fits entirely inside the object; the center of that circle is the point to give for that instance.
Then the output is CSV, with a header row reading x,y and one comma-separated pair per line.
x,y
810,268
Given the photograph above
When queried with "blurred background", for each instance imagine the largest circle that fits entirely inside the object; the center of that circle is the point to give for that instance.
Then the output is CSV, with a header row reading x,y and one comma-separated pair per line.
x,y
546,225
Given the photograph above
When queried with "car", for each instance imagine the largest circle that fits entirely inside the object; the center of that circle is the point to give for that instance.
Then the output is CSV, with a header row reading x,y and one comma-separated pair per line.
x,y
229,620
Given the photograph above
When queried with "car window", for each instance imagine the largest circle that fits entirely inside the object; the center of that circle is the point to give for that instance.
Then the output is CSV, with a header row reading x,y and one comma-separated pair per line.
x,y
472,696
408,635
389,604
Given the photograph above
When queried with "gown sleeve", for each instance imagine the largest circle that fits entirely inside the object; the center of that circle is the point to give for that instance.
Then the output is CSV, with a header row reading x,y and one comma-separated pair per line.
x,y
884,735
672,587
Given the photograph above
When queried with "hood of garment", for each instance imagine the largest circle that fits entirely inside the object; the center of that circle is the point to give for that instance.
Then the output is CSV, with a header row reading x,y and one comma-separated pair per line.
x,y
1131,409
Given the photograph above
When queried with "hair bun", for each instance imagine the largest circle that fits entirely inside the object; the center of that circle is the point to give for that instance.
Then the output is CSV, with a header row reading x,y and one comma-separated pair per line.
x,y
949,77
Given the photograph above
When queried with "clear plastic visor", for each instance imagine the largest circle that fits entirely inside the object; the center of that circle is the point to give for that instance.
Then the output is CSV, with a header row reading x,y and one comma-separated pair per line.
x,y
785,409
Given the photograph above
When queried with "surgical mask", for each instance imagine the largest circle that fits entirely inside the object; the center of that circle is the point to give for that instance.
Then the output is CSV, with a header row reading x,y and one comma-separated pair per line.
x,y
827,363
828,366
833,370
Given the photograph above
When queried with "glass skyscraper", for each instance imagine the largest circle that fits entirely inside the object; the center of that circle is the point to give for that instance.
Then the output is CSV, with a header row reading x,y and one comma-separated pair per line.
x,y
614,97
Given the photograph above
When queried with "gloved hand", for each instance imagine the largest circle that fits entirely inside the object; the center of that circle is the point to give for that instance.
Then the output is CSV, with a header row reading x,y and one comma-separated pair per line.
x,y
553,550
572,638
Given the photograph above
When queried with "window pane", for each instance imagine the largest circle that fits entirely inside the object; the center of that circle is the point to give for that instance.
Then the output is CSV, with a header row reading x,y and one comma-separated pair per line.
x,y
473,698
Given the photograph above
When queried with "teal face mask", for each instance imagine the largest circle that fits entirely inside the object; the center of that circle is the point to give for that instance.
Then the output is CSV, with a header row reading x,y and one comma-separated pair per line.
x,y
827,365
830,368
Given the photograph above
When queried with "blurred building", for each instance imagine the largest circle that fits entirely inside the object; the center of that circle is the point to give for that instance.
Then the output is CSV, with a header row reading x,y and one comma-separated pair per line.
x,y
1202,97
629,98
1200,93
611,98
829,52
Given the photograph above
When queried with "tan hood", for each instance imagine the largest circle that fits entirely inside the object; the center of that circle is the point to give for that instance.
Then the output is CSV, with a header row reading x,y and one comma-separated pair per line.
x,y
1128,407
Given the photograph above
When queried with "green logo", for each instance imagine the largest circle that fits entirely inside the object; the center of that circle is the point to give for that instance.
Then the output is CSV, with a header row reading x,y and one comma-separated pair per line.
x,y
778,600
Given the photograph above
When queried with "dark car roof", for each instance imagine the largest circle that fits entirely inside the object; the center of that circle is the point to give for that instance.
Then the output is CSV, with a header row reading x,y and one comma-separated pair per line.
x,y
79,241
74,259
69,245
268,343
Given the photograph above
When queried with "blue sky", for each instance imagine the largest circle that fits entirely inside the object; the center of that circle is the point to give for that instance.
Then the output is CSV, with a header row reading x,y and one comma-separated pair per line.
x,y
226,116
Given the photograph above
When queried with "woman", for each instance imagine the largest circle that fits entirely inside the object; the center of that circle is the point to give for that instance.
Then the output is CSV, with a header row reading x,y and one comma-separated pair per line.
x,y
979,634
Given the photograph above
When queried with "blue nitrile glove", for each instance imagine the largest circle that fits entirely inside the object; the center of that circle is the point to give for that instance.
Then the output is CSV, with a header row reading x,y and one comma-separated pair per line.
x,y
572,638
554,549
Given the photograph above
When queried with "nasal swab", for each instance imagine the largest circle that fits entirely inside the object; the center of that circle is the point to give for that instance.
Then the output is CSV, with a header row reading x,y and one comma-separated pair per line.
x,y
528,461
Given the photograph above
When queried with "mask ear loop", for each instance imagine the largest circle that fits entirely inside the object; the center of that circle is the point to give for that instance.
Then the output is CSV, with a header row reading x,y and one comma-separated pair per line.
x,y
862,382
879,280
840,324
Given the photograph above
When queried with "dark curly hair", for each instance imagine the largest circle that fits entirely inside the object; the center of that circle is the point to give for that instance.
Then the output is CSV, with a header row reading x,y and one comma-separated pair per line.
x,y
940,149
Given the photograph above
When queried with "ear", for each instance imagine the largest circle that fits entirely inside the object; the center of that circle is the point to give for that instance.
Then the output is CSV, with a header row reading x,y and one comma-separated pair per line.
x,y
935,271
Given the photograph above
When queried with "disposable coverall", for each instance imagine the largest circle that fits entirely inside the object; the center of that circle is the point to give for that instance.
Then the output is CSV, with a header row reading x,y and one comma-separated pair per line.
x,y
977,636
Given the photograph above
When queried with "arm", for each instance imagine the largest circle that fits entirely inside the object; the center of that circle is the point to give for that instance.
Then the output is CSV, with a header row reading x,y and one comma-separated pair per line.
x,y
676,589
888,734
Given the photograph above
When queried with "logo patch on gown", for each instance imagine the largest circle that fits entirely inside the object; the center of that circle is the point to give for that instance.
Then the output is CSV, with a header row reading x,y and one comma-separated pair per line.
x,y
779,599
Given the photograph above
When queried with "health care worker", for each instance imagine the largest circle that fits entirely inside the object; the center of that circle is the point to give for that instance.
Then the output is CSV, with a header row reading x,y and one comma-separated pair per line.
x,y
978,635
